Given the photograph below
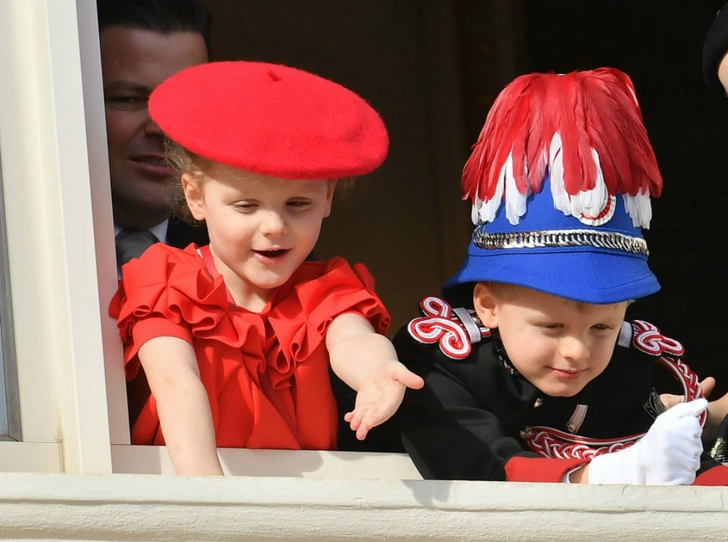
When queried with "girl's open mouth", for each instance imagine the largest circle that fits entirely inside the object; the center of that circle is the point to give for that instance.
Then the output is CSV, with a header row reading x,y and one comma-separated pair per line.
x,y
272,253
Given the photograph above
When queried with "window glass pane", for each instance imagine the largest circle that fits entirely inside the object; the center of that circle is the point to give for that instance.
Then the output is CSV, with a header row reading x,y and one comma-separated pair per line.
x,y
3,395
9,418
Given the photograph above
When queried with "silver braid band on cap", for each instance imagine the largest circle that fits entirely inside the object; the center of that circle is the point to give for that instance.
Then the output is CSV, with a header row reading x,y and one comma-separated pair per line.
x,y
559,239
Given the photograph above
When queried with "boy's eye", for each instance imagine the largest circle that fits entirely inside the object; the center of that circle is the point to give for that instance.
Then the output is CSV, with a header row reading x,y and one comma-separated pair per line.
x,y
298,203
246,206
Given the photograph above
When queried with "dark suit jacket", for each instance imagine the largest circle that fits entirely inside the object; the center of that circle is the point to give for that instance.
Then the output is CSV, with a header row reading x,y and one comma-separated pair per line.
x,y
180,234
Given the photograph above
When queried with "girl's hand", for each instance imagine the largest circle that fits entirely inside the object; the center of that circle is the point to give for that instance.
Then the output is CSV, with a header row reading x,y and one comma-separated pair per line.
x,y
380,395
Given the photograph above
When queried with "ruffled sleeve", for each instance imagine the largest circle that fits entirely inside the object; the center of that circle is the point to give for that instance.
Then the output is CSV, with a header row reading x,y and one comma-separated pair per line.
x,y
166,293
321,292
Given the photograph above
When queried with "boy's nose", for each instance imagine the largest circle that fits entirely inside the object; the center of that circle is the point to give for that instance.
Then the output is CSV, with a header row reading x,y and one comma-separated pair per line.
x,y
574,349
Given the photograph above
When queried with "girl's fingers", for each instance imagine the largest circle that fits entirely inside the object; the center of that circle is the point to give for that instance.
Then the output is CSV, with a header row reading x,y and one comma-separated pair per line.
x,y
408,378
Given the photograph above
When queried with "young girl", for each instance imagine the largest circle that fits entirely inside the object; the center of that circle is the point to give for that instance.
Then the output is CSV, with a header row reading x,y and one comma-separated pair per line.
x,y
235,338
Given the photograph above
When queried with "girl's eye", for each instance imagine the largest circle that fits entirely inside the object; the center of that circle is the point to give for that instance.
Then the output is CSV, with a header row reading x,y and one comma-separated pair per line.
x,y
298,203
246,206
601,327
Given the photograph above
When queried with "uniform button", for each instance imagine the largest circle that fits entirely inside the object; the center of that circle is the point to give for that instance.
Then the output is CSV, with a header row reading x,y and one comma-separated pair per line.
x,y
538,403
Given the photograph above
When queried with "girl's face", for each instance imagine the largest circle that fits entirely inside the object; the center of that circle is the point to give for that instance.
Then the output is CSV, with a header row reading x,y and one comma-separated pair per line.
x,y
261,228
556,344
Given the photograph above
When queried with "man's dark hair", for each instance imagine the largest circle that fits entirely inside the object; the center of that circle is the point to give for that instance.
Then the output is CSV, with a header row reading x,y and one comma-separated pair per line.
x,y
163,16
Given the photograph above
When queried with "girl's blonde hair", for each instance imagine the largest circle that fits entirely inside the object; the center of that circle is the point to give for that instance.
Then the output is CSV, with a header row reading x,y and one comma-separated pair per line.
x,y
183,161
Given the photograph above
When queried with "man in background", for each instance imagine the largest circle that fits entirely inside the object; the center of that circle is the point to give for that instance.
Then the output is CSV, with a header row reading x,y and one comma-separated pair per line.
x,y
142,43
715,50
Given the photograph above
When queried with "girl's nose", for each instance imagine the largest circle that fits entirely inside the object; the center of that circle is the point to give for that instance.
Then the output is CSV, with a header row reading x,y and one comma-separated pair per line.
x,y
273,223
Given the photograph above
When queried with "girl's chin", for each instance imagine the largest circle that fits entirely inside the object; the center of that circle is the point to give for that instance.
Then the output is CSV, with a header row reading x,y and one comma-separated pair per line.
x,y
271,282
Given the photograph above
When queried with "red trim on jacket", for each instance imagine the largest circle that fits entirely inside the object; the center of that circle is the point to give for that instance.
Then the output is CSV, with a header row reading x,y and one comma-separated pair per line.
x,y
715,476
540,469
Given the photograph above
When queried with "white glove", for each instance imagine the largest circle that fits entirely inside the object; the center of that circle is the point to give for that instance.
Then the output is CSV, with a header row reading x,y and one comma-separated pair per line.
x,y
669,454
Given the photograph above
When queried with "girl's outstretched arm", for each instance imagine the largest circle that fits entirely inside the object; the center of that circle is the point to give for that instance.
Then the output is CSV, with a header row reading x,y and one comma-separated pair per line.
x,y
184,409
368,363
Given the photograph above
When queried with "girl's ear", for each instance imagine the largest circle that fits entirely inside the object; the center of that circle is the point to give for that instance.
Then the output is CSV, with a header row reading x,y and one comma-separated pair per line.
x,y
329,196
485,305
193,195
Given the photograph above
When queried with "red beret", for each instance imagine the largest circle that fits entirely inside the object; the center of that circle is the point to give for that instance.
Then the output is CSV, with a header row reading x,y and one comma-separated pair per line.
x,y
270,119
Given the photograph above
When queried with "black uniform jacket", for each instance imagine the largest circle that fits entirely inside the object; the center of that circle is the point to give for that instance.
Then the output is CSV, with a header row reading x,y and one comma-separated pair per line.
x,y
468,421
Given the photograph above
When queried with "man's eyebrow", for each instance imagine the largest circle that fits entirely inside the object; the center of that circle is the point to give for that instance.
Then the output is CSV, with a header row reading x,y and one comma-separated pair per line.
x,y
127,86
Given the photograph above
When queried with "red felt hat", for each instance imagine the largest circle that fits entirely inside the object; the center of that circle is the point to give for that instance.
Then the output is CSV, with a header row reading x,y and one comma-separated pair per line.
x,y
270,119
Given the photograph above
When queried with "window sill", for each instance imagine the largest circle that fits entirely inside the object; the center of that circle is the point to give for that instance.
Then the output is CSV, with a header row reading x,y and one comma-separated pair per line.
x,y
146,507
281,463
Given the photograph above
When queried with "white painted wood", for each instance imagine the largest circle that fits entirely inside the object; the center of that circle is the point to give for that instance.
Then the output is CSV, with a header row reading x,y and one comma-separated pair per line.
x,y
144,507
22,114
30,456
103,226
81,379
51,232
276,463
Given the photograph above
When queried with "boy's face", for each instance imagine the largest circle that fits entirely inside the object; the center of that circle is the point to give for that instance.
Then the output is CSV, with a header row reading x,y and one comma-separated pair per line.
x,y
261,228
556,344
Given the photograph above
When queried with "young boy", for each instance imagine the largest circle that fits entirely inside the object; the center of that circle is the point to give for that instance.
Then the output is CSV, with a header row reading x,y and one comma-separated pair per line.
x,y
531,372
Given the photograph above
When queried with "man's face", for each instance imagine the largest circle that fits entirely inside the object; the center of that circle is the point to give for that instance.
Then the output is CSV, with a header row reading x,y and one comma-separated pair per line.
x,y
723,73
134,62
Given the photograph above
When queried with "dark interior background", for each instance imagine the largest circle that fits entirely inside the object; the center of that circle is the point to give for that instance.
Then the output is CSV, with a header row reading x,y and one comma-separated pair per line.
x,y
433,68
659,44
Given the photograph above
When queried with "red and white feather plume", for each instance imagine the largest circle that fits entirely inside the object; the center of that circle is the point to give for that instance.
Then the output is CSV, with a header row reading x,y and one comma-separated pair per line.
x,y
584,129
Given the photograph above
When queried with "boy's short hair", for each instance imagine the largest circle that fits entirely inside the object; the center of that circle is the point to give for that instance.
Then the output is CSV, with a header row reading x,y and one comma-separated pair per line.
x,y
162,16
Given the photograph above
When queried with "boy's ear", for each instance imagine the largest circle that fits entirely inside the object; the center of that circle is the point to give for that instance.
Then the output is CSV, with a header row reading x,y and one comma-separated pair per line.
x,y
485,305
193,196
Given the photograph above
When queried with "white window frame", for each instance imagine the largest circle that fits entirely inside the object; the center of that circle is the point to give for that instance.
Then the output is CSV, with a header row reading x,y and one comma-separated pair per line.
x,y
71,388
9,407
49,155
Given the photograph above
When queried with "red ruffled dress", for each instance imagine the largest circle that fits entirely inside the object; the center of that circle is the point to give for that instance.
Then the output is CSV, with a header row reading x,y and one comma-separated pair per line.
x,y
266,374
